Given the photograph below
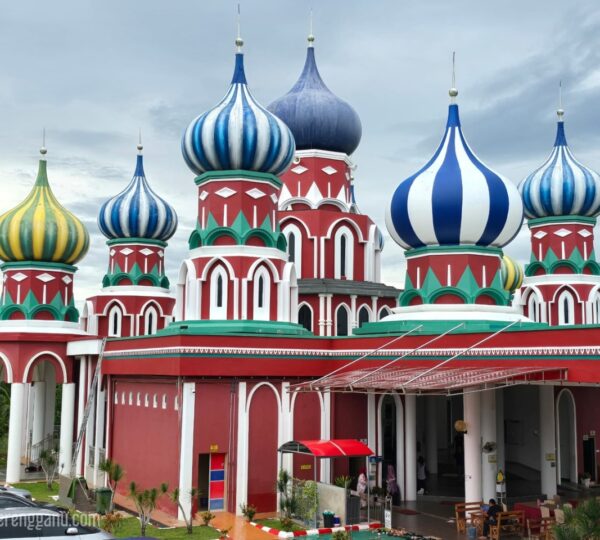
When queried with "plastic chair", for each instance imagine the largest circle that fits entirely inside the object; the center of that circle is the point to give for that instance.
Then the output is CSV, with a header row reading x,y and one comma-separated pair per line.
x,y
545,511
559,516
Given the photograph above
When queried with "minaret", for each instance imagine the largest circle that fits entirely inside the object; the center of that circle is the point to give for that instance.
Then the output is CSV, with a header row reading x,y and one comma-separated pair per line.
x,y
335,248
40,242
135,298
453,217
237,268
562,200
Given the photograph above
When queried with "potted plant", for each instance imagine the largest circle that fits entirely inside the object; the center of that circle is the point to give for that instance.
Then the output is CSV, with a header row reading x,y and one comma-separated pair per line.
x,y
248,511
585,479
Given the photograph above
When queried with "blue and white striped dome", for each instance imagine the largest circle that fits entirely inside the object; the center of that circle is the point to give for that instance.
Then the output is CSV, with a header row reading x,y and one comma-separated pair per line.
x,y
454,199
561,186
137,212
238,134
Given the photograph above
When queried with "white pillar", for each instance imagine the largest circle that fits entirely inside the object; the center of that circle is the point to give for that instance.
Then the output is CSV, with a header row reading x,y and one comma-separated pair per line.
x,y
500,450
547,441
488,434
431,432
99,434
67,416
472,446
186,458
326,435
410,474
50,402
15,427
89,428
39,412
241,490
286,427
82,387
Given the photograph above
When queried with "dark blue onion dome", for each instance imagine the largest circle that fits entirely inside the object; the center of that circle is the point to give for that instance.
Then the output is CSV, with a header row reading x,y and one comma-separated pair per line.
x,y
238,134
137,212
318,118
561,186
454,199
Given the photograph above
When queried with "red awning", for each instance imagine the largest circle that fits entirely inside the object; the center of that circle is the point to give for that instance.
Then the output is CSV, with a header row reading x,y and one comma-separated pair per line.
x,y
333,448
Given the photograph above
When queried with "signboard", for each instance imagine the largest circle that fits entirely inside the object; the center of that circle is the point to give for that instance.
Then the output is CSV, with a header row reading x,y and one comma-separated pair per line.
x,y
214,448
491,458
550,457
387,518
306,467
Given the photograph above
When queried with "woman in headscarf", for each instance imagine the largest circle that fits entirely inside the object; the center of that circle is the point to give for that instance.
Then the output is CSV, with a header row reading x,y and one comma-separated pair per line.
x,y
392,485
361,487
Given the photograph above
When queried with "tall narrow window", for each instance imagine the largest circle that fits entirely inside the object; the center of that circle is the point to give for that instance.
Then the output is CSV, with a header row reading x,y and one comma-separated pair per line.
x,y
150,321
341,324
114,322
343,256
292,247
566,308
220,291
305,317
363,316
532,308
261,291
262,297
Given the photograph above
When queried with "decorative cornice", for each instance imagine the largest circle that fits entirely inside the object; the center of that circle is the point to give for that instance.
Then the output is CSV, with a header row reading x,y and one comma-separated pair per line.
x,y
237,175
136,241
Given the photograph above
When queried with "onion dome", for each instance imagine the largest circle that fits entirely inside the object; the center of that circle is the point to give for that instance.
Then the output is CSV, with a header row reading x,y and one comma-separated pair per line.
x,y
454,199
511,273
137,212
317,117
561,186
238,134
41,229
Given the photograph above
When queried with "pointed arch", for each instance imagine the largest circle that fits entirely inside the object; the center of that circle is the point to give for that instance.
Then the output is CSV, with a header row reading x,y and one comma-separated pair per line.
x,y
364,315
384,312
219,292
305,316
566,436
115,321
294,238
342,320
261,287
344,253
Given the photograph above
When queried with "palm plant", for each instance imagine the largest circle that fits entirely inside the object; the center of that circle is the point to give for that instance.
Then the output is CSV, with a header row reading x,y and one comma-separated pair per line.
x,y
49,464
583,523
114,474
176,498
145,502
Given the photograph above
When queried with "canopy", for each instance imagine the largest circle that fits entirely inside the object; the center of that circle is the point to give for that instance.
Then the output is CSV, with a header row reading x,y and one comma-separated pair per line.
x,y
333,448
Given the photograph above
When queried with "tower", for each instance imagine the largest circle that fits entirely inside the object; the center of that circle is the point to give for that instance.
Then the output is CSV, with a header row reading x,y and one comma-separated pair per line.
x,y
237,268
135,298
562,200
335,248
40,242
453,217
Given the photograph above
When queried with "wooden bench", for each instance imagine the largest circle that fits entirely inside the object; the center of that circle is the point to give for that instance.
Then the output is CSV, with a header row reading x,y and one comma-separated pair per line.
x,y
462,512
511,523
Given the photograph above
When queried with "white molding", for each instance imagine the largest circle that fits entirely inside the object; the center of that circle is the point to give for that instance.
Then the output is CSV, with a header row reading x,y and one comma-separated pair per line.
x,y
186,459
83,347
42,327
559,476
561,279
326,154
237,251
343,232
8,378
216,311
345,221
60,361
453,312
261,313
135,290
241,484
292,228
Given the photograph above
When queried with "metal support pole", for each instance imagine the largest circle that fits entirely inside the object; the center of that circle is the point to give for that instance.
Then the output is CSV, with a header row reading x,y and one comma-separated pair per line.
x,y
368,491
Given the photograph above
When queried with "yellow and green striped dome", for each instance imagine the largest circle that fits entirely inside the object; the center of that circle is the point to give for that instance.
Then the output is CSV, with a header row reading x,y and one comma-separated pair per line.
x,y
512,274
41,229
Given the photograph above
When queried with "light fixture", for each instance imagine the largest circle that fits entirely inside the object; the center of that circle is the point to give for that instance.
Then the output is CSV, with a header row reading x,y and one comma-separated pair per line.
x,y
460,426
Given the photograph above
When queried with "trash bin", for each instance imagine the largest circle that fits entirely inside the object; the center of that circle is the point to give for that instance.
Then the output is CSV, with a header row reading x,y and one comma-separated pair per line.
x,y
472,533
328,519
103,500
336,521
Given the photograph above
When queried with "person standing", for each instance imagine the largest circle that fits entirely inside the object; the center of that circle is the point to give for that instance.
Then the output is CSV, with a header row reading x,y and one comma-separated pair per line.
x,y
421,475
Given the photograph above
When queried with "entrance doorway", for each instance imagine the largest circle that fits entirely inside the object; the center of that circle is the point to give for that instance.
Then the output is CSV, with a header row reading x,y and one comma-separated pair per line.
x,y
566,435
589,457
211,482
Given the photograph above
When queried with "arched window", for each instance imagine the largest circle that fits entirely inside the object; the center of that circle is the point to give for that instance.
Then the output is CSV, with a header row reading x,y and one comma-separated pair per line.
x,y
155,401
384,312
130,398
363,316
533,308
597,310
146,400
294,246
341,321
566,308
150,321
164,401
344,254
218,293
115,322
305,317
262,294
138,400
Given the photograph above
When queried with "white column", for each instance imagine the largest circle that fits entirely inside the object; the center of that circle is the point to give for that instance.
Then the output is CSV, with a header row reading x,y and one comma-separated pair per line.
x,y
99,435
547,441
371,421
431,439
241,484
50,385
410,404
286,427
186,457
82,387
67,416
321,315
488,434
500,450
39,412
326,435
15,428
472,446
89,428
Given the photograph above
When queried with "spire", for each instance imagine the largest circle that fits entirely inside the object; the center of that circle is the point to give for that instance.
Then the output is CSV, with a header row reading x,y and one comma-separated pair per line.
x,y
453,92
239,42
561,139
140,146
43,149
311,37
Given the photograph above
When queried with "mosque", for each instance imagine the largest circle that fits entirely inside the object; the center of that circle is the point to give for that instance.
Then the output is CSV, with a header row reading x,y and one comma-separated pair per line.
x,y
278,328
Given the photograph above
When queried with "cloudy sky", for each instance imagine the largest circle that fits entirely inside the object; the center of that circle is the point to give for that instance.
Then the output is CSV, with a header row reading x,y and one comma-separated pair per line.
x,y
93,72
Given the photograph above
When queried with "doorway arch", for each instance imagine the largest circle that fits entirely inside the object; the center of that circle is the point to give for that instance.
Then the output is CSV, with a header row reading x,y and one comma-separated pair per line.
x,y
566,436
390,438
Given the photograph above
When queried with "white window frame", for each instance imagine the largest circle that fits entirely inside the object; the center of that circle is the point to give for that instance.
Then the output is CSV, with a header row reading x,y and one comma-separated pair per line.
x,y
150,329
164,401
312,314
155,401
347,233
384,312
218,312
146,400
348,319
295,230
118,312
568,297
533,307
138,400
261,313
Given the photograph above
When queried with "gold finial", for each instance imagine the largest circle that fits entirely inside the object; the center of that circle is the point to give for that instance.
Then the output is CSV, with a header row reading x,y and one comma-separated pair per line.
x,y
453,92
239,42
43,149
560,112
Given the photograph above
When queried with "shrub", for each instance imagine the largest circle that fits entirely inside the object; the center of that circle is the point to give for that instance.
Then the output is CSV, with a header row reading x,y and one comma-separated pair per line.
x,y
248,511
287,524
340,535
112,522
207,517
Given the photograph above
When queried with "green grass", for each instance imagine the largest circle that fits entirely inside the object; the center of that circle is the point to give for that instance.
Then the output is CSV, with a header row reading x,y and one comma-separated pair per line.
x,y
131,527
276,524
39,490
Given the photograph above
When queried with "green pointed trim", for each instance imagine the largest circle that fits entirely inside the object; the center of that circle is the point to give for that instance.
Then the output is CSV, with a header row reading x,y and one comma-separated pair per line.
x,y
31,306
439,250
468,283
561,219
430,284
36,264
125,241
237,174
135,276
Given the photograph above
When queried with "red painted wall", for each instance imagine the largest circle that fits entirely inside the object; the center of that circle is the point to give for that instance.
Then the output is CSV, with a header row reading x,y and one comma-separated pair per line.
x,y
145,440
586,408
349,421
262,450
307,426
